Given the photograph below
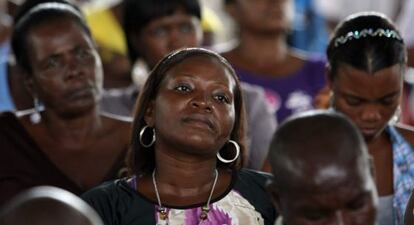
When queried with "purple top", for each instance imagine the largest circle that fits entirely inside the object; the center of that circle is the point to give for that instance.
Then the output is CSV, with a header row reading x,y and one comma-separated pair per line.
x,y
293,93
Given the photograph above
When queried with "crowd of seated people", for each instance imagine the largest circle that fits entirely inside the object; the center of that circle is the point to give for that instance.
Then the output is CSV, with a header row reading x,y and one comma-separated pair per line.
x,y
196,140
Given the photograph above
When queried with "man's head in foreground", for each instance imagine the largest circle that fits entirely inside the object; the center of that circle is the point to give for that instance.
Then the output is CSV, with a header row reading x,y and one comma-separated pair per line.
x,y
47,205
322,172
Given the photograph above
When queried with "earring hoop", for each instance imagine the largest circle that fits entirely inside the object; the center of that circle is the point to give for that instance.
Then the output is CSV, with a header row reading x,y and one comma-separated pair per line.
x,y
237,147
141,134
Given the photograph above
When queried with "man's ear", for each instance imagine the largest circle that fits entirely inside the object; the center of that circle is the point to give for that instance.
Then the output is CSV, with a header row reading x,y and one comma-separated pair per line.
x,y
271,188
150,114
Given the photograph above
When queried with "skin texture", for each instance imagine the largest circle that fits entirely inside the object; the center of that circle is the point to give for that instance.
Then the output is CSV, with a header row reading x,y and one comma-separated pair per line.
x,y
193,116
165,34
371,109
67,78
333,185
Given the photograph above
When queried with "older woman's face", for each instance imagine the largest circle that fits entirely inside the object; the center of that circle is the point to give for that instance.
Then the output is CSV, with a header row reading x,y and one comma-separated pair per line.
x,y
194,108
66,70
369,100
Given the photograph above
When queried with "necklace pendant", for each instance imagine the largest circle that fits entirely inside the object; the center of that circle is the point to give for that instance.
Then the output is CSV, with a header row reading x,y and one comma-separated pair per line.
x,y
204,213
163,214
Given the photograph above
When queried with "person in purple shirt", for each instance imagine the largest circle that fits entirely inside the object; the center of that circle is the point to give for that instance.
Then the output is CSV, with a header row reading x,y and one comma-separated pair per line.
x,y
292,79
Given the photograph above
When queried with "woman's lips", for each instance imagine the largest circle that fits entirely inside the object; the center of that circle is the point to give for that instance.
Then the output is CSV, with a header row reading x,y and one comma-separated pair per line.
x,y
200,121
369,131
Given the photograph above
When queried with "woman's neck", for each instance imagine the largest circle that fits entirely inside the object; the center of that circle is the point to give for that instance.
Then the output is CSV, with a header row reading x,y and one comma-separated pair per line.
x,y
77,129
184,172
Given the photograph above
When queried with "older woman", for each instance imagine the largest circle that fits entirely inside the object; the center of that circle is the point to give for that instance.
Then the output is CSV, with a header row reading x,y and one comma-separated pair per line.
x,y
187,151
367,61
69,144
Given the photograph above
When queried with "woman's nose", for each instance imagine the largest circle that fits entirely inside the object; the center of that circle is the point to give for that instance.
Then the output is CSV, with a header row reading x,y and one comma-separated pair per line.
x,y
371,113
202,101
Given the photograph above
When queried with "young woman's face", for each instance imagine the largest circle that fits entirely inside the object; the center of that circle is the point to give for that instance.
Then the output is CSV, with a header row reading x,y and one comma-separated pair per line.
x,y
263,15
369,100
194,107
166,34
66,69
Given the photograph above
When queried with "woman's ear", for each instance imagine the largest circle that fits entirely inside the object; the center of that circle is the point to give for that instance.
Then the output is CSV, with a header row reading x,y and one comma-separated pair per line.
x,y
328,76
150,114
29,82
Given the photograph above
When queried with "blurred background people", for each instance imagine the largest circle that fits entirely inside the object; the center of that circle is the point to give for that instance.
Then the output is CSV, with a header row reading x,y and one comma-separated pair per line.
x,y
47,205
261,56
105,20
68,142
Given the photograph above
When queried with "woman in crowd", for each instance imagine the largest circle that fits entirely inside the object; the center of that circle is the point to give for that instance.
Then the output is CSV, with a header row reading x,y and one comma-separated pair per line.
x,y
367,61
153,29
186,153
65,141
262,56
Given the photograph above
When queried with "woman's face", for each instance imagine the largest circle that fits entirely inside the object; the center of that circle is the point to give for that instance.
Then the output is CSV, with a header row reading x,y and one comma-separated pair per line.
x,y
66,70
370,100
194,108
263,15
166,34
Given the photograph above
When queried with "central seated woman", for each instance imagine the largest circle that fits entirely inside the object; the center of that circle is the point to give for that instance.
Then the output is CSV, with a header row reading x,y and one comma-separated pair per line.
x,y
186,153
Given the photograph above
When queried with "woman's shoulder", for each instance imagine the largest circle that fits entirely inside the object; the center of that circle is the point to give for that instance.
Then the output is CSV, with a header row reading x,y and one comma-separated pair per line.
x,y
117,203
254,175
310,58
108,196
119,126
110,189
252,183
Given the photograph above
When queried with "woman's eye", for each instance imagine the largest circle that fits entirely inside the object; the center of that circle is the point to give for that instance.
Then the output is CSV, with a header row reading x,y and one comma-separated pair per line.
x,y
83,54
186,28
159,32
222,98
387,101
353,101
183,88
314,216
52,63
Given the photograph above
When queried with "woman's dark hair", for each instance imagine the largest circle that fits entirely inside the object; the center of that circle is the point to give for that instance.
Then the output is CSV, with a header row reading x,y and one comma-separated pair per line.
x,y
367,41
29,4
39,15
141,160
139,13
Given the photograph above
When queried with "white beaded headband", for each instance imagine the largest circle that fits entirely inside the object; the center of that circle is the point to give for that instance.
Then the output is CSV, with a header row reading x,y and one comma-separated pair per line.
x,y
367,32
